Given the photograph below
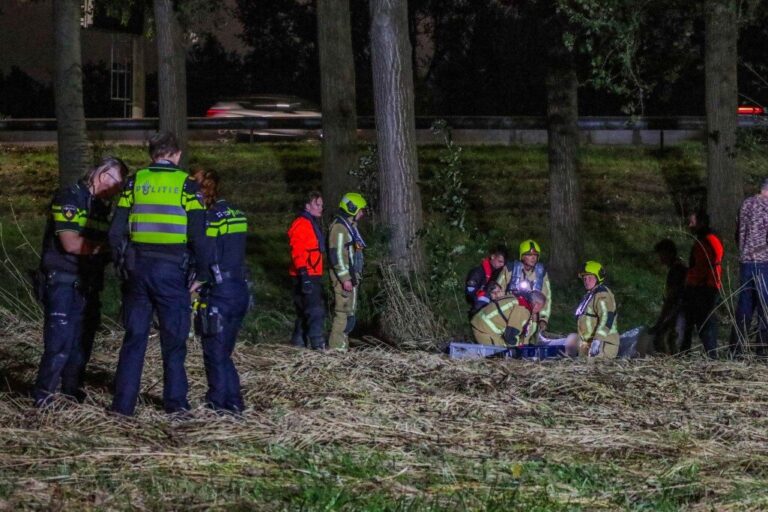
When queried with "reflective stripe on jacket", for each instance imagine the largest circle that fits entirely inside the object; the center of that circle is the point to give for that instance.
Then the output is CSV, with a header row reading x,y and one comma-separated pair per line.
x,y
159,206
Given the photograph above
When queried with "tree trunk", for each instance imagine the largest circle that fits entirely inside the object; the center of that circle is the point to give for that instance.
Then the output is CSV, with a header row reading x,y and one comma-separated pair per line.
x,y
138,76
396,132
562,130
171,74
73,148
724,186
337,82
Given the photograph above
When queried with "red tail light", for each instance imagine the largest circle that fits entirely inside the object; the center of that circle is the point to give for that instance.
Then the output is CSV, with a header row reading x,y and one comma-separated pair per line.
x,y
751,111
213,112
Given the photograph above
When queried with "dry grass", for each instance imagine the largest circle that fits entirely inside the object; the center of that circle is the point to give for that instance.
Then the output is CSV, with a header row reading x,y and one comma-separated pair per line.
x,y
407,319
690,429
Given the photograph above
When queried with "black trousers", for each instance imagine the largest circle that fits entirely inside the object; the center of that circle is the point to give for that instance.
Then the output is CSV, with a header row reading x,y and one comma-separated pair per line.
x,y
310,314
698,305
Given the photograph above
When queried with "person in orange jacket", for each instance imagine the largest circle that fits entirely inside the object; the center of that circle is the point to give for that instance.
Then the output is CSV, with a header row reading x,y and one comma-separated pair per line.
x,y
703,284
307,242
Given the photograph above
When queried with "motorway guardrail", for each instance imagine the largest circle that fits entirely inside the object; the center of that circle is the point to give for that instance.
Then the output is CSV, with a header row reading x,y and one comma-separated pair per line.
x,y
367,122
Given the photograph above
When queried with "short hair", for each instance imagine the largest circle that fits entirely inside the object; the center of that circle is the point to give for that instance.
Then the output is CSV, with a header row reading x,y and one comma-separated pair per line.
x,y
309,197
702,218
209,185
107,163
537,297
500,249
492,286
163,144
666,246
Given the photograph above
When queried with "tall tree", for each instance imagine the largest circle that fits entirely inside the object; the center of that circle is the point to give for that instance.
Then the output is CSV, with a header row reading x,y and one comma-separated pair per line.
x,y
171,73
68,92
563,133
337,87
396,131
725,186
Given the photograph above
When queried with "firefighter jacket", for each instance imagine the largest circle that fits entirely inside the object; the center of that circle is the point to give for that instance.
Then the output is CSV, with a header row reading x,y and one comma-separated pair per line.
x,y
305,236
345,250
516,280
596,320
503,323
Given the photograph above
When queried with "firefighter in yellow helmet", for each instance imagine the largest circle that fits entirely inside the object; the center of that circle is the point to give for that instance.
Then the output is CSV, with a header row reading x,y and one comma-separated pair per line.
x,y
507,320
345,252
598,334
526,275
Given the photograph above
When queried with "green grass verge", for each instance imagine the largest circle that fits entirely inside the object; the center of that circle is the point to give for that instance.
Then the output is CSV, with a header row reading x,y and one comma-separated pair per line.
x,y
632,197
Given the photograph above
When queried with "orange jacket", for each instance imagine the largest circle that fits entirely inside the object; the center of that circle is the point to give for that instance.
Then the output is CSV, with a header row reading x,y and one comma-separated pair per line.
x,y
705,263
307,246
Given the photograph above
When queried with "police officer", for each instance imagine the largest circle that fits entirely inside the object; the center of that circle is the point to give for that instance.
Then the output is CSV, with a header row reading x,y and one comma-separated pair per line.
x,y
478,278
507,320
528,274
598,334
162,215
307,243
345,251
224,301
74,246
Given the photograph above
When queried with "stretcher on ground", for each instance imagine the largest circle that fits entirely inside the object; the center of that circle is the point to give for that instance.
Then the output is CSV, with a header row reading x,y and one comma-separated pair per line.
x,y
547,348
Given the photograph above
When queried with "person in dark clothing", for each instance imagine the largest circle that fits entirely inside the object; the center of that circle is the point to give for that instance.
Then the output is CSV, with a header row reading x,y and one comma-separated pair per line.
x,y
224,300
475,287
161,217
669,327
307,244
702,285
753,272
74,255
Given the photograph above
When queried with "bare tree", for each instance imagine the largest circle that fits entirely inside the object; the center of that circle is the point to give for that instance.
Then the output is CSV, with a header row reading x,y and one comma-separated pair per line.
x,y
171,73
725,187
68,92
337,82
396,131
563,133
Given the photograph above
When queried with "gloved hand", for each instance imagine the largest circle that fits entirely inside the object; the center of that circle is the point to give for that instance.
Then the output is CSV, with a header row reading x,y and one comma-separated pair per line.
x,y
306,282
510,335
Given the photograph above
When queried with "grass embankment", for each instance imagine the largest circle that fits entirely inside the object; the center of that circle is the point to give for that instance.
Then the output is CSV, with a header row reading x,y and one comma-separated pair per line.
x,y
382,430
632,197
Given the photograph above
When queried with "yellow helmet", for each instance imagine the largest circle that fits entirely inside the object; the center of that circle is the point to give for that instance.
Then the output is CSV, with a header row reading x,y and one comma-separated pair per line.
x,y
530,247
593,268
352,202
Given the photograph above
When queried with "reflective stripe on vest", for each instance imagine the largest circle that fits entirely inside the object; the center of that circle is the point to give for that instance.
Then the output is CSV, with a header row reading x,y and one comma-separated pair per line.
x,y
157,214
227,226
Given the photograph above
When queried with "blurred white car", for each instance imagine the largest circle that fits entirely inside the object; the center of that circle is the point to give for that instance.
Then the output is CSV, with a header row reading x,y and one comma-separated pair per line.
x,y
270,106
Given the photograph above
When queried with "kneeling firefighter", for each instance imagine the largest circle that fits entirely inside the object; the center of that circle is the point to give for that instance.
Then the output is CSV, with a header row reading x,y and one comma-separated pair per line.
x,y
507,320
598,332
345,251
526,275
224,301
